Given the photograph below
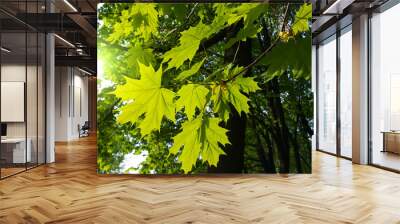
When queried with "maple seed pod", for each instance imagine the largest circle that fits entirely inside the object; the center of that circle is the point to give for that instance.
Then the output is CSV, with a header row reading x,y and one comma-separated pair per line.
x,y
284,36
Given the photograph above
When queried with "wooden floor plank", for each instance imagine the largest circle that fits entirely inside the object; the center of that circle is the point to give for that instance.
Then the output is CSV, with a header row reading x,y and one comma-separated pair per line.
x,y
70,191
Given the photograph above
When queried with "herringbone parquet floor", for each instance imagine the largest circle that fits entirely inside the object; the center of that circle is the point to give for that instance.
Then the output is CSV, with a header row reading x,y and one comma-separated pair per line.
x,y
70,191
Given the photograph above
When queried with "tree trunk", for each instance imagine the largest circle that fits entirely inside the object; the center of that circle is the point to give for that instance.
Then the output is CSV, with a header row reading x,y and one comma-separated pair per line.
x,y
267,161
279,125
296,146
279,128
271,164
233,161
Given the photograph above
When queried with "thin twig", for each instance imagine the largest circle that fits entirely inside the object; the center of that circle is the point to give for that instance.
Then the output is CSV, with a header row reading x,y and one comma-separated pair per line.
x,y
171,31
255,61
191,12
237,50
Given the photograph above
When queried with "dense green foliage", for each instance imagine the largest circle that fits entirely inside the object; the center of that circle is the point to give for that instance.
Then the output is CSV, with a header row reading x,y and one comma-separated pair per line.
x,y
204,87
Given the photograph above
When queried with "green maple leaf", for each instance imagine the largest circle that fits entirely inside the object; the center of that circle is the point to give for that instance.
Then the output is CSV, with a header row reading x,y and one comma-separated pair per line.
x,y
231,93
136,55
146,97
145,20
221,104
239,100
302,18
236,98
231,13
192,96
140,20
189,43
229,71
200,136
190,140
191,38
294,55
246,84
250,12
212,135
193,70
121,29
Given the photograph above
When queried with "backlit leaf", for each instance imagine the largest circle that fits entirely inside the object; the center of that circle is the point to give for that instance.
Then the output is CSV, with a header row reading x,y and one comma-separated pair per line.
x,y
200,136
213,134
190,39
221,105
136,55
231,93
189,43
121,29
237,99
246,84
193,70
251,13
146,97
301,21
140,20
192,96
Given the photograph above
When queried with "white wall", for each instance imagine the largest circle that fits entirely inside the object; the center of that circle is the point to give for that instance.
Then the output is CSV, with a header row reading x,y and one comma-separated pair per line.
x,y
71,102
80,110
62,81
314,89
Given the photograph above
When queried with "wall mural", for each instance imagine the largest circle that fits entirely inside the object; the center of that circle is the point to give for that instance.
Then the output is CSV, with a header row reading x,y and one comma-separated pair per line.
x,y
191,88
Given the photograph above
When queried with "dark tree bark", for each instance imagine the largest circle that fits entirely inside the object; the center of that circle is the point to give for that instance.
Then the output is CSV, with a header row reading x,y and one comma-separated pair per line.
x,y
267,160
303,120
233,161
295,143
271,160
267,132
279,124
279,128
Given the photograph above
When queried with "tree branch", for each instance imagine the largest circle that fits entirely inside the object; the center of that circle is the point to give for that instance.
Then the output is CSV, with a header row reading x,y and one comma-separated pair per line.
x,y
217,37
260,56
